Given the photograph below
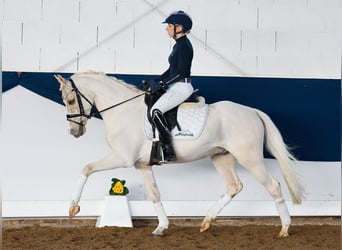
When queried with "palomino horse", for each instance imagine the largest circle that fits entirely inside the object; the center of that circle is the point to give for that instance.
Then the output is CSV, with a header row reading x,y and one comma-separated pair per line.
x,y
232,132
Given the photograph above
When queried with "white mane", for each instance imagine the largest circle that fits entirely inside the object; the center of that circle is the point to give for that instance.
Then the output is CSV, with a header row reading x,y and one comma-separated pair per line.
x,y
111,78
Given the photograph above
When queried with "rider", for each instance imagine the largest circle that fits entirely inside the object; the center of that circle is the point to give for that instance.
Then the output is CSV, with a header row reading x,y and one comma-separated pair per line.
x,y
175,80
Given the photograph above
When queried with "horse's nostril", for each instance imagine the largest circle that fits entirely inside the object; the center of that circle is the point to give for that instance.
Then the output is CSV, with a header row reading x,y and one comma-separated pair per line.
x,y
77,132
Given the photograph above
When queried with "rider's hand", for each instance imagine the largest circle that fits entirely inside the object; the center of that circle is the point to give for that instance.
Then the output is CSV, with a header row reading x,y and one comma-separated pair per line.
x,y
144,85
154,86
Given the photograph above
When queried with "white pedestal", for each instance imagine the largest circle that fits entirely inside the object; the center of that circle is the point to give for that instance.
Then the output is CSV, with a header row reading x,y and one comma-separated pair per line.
x,y
116,212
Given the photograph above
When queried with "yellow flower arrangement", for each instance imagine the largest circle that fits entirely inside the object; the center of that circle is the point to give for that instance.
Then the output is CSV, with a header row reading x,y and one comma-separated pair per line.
x,y
118,187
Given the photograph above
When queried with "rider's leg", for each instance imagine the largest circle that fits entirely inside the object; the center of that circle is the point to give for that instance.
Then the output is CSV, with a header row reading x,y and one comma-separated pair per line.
x,y
159,121
176,94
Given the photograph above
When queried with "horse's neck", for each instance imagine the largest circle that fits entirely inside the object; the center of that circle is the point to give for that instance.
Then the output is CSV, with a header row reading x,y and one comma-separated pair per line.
x,y
107,93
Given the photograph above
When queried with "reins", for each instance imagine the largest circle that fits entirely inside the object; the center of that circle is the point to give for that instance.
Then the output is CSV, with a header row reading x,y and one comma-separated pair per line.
x,y
118,104
79,97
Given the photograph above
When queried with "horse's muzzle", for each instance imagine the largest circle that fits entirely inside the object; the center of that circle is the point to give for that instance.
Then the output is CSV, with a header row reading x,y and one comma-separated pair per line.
x,y
77,132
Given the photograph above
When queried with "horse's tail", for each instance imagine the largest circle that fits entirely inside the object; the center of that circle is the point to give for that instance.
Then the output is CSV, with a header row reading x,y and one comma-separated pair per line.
x,y
275,145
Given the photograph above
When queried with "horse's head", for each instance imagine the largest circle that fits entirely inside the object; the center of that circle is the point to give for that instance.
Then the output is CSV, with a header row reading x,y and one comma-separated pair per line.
x,y
78,106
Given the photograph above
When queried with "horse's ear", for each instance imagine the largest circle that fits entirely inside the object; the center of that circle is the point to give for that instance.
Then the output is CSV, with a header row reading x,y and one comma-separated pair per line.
x,y
61,81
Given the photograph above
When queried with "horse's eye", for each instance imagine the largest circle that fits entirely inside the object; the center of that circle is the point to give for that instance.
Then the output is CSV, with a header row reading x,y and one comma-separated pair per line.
x,y
71,102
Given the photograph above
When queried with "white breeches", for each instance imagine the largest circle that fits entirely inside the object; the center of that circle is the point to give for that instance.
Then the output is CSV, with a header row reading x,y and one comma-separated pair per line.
x,y
176,94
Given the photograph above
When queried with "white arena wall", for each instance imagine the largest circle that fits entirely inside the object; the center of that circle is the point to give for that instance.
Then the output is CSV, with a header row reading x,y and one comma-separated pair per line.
x,y
40,161
272,38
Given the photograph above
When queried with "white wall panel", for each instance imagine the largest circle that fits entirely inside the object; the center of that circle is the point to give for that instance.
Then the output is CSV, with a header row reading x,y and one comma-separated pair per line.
x,y
249,41
41,34
223,43
277,64
265,41
214,65
325,3
12,33
114,37
154,50
174,5
245,61
303,66
261,3
308,65
251,3
309,19
61,11
332,19
22,10
20,58
275,18
319,63
138,62
241,18
102,60
291,3
292,42
78,35
98,12
213,17
58,59
325,43
124,14
324,63
151,32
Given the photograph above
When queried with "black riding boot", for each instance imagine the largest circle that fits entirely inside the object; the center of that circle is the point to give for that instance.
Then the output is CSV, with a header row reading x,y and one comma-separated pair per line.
x,y
160,123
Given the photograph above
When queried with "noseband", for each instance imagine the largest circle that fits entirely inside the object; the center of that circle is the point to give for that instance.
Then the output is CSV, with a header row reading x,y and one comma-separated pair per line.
x,y
79,97
82,113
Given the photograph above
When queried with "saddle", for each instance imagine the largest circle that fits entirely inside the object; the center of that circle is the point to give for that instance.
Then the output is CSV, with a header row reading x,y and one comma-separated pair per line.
x,y
157,156
171,115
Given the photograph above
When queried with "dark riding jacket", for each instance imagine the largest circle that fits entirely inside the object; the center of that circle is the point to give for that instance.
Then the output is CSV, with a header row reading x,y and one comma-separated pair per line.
x,y
180,61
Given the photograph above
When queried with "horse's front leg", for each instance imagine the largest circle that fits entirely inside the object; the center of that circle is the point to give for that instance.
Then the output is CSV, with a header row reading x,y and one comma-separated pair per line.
x,y
109,162
76,195
152,189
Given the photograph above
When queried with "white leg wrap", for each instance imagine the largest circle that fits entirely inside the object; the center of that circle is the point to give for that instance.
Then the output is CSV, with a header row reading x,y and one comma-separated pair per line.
x,y
283,211
162,218
219,205
76,195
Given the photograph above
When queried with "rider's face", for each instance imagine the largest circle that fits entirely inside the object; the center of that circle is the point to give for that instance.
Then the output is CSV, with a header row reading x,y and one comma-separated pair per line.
x,y
170,29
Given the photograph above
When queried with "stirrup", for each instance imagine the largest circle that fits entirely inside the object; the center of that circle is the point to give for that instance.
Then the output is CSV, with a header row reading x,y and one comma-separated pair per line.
x,y
169,153
156,156
161,154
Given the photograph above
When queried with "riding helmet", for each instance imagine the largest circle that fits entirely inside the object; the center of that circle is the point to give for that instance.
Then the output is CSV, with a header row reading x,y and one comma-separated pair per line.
x,y
180,18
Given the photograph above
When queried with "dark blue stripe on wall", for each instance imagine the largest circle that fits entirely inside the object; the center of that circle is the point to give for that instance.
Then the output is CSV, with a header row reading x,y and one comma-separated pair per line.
x,y
306,111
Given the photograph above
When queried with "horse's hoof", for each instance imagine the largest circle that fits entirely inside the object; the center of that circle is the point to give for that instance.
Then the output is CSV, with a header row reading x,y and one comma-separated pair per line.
x,y
206,224
158,231
73,210
283,234
284,231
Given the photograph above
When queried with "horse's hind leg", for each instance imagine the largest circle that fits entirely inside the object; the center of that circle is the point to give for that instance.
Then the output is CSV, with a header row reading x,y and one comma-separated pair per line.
x,y
260,172
224,164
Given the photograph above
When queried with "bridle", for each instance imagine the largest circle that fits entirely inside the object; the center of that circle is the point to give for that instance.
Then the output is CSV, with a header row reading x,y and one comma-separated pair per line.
x,y
82,113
